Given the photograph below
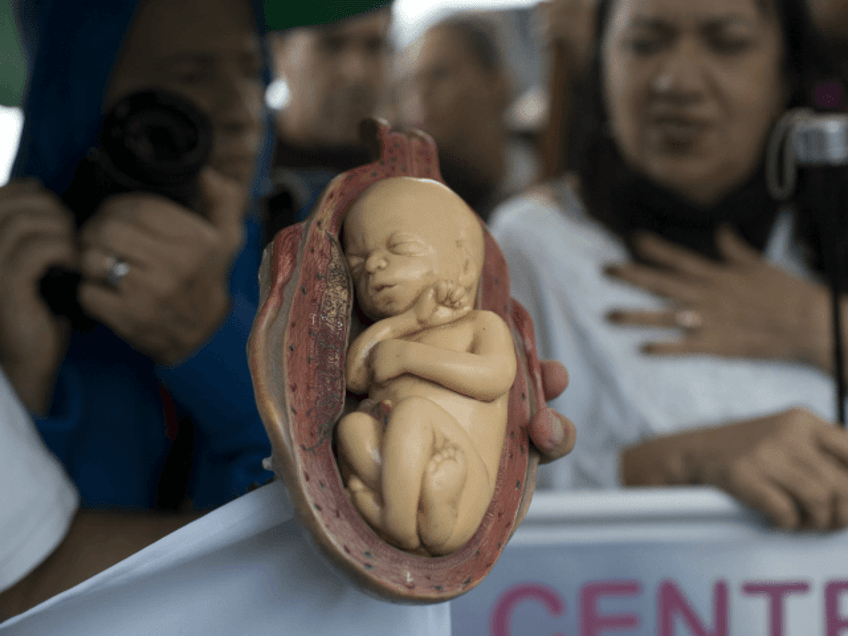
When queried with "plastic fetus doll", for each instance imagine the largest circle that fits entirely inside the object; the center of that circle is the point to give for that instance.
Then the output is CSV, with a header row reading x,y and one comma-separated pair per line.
x,y
437,371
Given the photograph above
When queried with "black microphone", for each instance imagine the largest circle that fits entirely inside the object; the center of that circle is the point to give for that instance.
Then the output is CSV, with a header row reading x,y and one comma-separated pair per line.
x,y
819,141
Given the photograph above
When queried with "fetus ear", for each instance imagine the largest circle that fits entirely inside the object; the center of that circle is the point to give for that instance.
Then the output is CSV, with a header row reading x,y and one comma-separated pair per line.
x,y
469,275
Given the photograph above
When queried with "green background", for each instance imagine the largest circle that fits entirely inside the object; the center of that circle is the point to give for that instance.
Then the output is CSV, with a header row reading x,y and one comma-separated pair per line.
x,y
12,61
285,14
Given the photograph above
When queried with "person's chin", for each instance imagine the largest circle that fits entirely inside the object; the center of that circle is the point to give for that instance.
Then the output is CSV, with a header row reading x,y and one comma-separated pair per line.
x,y
680,163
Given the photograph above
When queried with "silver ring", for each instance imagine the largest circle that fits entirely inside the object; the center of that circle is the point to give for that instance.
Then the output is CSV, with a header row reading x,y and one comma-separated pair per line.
x,y
116,270
688,319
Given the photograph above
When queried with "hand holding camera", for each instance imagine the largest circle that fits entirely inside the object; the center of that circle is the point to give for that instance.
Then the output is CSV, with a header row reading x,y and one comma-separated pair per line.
x,y
36,232
175,293
142,241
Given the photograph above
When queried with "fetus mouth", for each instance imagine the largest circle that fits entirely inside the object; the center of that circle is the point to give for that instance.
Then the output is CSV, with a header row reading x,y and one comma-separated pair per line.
x,y
376,289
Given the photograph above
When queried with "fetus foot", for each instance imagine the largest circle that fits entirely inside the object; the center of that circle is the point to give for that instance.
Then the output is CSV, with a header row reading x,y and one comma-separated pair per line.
x,y
440,494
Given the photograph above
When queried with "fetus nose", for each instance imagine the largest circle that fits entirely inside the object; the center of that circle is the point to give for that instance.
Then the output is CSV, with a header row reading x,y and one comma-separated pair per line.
x,y
374,262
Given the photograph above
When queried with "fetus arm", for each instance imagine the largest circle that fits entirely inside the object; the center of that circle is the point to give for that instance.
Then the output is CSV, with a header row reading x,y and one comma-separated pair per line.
x,y
485,373
357,365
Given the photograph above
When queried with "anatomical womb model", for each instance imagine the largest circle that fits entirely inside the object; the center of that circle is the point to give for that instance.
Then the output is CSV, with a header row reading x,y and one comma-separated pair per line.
x,y
396,378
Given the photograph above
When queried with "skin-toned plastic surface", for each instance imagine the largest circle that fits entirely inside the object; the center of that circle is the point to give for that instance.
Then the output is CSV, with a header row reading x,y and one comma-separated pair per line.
x,y
297,355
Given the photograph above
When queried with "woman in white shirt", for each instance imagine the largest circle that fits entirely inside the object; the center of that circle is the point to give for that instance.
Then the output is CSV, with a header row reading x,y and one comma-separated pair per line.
x,y
668,223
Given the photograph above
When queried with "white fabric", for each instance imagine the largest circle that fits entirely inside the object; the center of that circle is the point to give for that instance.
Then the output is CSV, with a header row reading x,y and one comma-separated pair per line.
x,y
243,569
616,395
37,500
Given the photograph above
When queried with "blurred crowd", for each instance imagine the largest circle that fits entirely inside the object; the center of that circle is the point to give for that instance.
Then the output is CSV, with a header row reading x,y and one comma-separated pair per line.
x,y
687,298
631,184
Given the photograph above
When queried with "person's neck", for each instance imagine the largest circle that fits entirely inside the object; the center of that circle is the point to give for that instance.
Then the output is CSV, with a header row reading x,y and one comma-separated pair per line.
x,y
637,203
705,197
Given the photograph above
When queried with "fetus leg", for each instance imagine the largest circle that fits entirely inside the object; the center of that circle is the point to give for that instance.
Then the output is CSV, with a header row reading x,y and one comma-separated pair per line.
x,y
359,436
415,434
456,491
366,501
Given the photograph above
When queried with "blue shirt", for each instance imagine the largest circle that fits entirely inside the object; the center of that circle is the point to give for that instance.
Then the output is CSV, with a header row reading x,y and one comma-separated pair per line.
x,y
106,422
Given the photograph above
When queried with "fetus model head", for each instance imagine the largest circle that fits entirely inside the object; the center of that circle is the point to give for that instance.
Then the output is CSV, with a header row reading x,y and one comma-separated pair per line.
x,y
404,236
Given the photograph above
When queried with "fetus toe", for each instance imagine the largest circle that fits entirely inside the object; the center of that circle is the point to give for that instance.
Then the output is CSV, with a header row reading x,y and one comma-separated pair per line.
x,y
446,473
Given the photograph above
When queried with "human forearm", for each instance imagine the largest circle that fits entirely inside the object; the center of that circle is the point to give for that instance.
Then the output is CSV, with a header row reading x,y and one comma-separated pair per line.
x,y
655,462
38,233
679,459
33,372
789,465
95,542
399,326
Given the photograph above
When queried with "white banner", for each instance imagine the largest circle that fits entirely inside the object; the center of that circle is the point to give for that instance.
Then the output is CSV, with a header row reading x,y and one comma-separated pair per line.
x,y
658,562
672,562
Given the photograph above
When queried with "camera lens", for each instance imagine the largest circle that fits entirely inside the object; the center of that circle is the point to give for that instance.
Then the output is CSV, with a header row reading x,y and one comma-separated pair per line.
x,y
151,141
157,139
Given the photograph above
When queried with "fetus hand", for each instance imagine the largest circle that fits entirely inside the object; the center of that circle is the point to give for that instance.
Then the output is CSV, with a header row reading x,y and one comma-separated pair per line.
x,y
443,303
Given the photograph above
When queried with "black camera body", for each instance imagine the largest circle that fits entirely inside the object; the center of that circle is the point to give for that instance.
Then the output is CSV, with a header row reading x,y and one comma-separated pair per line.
x,y
151,141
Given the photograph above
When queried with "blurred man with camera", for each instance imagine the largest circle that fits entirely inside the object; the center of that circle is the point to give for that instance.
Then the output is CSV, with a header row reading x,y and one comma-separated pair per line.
x,y
172,290
155,273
